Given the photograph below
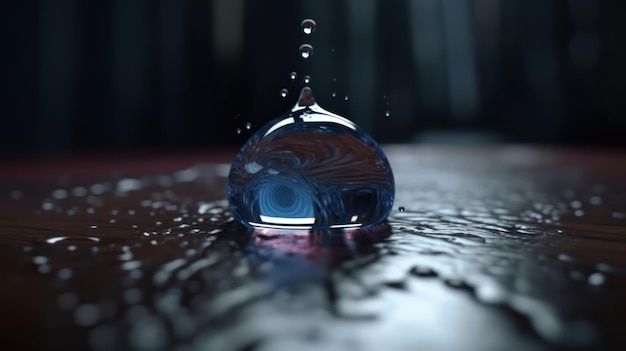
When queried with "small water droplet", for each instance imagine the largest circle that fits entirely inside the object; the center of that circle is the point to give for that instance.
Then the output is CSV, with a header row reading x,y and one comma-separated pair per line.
x,y
56,239
387,113
334,94
15,195
401,209
87,315
248,125
284,93
293,75
67,301
238,130
40,260
306,51
345,97
307,79
596,279
308,26
59,194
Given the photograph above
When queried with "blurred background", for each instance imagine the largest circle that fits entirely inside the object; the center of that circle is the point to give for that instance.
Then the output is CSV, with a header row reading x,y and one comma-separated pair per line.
x,y
82,75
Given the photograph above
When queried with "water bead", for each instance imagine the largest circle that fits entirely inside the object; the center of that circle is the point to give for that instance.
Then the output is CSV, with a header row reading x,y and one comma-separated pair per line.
x,y
293,75
307,79
306,51
309,169
284,93
308,26
248,125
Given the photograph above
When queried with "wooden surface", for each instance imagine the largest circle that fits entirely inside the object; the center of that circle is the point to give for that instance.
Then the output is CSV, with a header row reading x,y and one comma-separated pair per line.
x,y
506,247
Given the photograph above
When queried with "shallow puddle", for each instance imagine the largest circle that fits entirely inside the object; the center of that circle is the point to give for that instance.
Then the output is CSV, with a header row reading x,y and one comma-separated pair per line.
x,y
514,249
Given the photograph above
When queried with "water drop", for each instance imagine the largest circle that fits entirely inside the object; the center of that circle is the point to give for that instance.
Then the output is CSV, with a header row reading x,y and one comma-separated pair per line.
x,y
401,209
284,93
308,26
387,114
293,75
238,130
306,51
334,94
307,79
345,97
310,168
248,125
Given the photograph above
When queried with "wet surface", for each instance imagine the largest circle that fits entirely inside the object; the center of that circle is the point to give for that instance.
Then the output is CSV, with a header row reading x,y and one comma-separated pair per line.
x,y
514,248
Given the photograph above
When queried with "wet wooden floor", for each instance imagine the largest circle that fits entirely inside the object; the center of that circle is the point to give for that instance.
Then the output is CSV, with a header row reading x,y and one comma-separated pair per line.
x,y
507,247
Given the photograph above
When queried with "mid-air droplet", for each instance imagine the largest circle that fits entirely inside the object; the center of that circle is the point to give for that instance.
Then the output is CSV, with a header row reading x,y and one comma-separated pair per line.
x,y
307,79
308,26
284,93
248,125
310,169
306,51
293,75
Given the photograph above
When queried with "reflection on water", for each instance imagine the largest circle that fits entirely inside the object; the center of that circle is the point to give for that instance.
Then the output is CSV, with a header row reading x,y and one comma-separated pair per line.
x,y
475,258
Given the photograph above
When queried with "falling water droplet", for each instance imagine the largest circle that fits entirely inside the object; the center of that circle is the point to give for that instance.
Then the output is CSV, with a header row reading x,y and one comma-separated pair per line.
x,y
306,51
387,113
345,97
401,209
308,26
307,79
238,130
293,75
248,125
310,168
284,93
334,94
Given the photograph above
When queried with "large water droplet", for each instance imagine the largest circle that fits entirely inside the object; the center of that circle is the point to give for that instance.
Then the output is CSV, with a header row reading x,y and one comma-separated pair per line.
x,y
308,26
306,51
310,168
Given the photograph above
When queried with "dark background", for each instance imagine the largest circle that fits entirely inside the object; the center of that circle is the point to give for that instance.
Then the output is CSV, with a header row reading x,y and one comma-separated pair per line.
x,y
78,75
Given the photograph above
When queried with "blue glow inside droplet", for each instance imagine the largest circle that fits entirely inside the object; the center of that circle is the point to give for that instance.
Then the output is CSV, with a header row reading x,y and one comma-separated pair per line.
x,y
310,169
